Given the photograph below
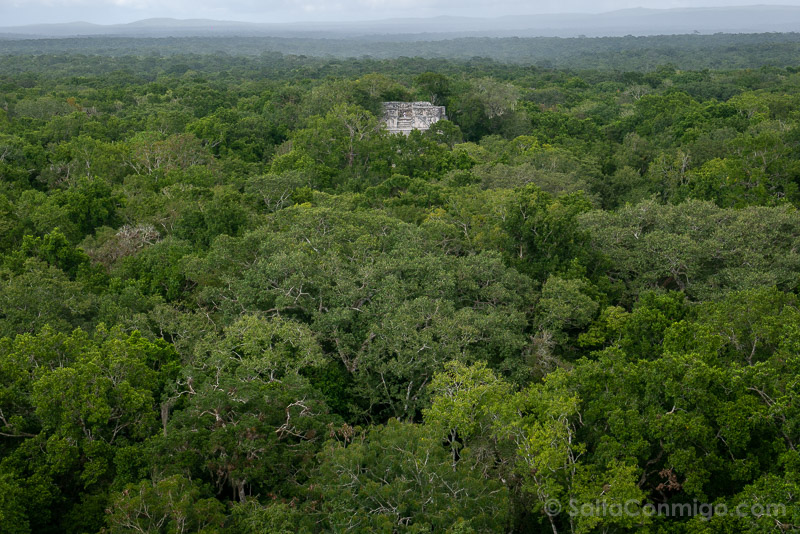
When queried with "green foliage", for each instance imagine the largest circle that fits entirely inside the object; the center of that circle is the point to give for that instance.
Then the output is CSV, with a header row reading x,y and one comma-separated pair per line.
x,y
278,517
543,233
157,269
12,507
91,203
173,504
70,402
42,295
408,484
565,306
53,249
244,418
696,247
231,301
391,308
223,214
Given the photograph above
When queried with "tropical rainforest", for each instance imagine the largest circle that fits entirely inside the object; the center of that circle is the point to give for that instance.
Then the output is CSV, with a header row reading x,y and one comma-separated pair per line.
x,y
231,301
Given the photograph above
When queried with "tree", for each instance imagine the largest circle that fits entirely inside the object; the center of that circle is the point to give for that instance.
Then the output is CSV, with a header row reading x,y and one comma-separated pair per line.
x,y
398,478
565,306
244,419
173,504
339,141
153,154
12,508
73,404
435,87
43,295
530,440
695,247
387,304
543,232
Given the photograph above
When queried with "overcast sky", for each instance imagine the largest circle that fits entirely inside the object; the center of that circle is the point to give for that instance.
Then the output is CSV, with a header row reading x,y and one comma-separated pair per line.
x,y
17,12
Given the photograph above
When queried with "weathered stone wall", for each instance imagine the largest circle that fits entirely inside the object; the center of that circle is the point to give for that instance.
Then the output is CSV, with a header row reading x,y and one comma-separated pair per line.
x,y
402,117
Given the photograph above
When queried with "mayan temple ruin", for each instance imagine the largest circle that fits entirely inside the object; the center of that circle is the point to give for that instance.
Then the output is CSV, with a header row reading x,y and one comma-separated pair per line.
x,y
402,117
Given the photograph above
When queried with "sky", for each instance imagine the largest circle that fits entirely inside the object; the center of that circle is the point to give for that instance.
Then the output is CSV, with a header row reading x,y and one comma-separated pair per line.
x,y
20,12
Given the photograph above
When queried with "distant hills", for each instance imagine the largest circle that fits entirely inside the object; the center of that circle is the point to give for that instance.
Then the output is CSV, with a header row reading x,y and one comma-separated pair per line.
x,y
640,22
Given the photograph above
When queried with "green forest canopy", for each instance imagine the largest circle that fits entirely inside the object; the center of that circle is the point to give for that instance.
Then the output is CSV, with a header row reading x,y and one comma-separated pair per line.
x,y
231,302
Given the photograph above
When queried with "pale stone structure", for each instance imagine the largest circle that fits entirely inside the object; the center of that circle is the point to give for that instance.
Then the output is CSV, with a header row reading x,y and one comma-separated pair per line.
x,y
402,117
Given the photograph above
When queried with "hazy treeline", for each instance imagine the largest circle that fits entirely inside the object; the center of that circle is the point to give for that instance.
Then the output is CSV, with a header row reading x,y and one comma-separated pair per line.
x,y
718,51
